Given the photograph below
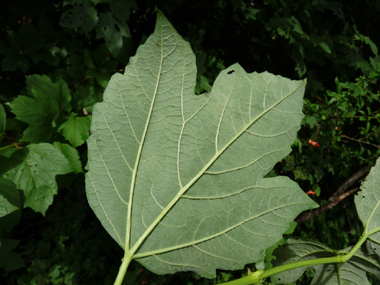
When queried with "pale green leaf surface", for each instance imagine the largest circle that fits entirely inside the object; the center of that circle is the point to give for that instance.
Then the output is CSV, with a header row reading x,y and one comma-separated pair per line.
x,y
354,271
177,179
367,260
368,203
327,274
375,247
76,129
33,169
9,197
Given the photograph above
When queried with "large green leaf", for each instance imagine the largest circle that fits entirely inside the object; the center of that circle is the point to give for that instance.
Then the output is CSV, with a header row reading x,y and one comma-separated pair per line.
x,y
177,179
33,170
368,203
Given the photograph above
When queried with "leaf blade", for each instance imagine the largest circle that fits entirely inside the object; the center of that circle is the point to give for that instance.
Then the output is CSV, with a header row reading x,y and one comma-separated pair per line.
x,y
159,153
368,202
33,169
9,197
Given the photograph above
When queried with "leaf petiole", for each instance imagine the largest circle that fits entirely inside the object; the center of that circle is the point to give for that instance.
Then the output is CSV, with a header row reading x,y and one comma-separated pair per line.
x,y
16,145
123,268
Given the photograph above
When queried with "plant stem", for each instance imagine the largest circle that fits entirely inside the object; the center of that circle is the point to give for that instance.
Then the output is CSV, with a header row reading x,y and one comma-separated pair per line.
x,y
250,279
338,271
304,263
16,144
255,279
123,268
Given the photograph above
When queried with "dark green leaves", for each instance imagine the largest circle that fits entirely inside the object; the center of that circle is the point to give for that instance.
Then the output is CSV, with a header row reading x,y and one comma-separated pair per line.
x,y
27,41
110,24
85,17
43,105
9,197
10,260
33,170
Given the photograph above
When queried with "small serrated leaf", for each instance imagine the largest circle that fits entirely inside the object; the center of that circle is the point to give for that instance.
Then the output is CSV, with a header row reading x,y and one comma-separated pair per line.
x,y
76,129
46,101
33,170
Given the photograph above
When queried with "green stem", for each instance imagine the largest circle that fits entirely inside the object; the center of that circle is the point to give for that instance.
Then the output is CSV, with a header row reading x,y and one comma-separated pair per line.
x,y
123,268
11,145
338,270
243,281
362,239
304,263
255,279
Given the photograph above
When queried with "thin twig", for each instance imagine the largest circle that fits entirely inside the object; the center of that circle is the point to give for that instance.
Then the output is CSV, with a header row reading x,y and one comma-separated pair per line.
x,y
359,141
338,196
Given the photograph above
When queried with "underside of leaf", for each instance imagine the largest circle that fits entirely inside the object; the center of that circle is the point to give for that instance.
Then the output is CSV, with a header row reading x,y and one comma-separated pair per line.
x,y
176,178
368,203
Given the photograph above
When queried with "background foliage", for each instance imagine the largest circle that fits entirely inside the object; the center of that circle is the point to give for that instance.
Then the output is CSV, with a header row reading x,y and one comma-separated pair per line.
x,y
56,59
